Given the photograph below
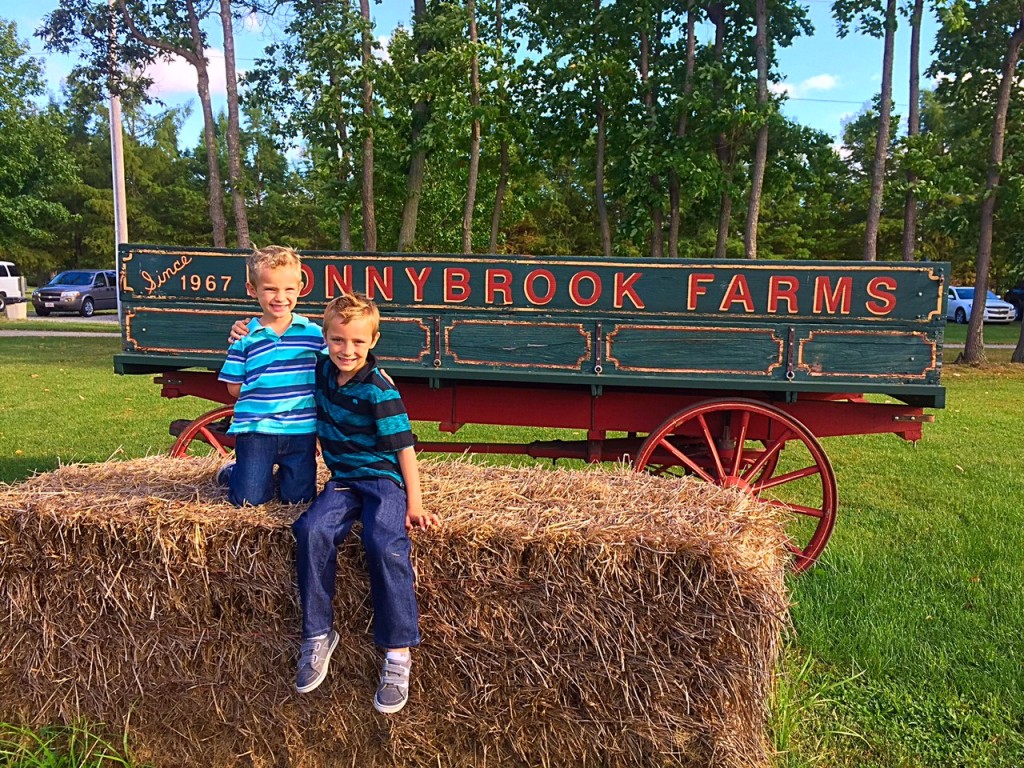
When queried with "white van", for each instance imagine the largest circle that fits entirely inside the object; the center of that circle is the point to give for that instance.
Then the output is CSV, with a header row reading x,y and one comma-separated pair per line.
x,y
12,284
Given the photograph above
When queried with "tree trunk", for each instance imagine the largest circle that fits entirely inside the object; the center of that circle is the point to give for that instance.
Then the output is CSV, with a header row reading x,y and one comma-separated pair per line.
x,y
233,138
499,197
882,140
913,129
369,216
216,191
602,205
418,159
196,57
474,138
974,348
673,178
499,192
345,178
601,146
723,145
657,212
761,143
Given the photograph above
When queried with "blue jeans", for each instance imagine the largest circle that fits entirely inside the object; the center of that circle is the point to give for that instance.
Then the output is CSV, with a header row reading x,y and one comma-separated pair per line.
x,y
381,506
252,477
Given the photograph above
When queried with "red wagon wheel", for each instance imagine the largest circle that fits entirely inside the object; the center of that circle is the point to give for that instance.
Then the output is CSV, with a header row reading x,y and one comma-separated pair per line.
x,y
205,435
738,443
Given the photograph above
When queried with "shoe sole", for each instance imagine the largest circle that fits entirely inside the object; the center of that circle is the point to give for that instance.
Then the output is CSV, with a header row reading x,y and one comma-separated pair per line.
x,y
389,709
327,663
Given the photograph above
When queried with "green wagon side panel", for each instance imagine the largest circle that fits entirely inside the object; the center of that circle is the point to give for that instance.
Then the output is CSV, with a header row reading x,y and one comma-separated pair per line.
x,y
815,326
673,350
538,344
869,354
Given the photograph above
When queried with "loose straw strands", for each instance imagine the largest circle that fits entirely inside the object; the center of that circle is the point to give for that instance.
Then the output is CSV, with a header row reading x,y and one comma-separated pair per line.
x,y
569,618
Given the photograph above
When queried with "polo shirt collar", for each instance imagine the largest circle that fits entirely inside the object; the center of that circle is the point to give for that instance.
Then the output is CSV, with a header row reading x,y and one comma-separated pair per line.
x,y
362,375
300,321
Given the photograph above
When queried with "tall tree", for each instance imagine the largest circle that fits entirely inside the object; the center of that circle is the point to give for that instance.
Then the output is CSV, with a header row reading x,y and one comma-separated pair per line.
x,y
502,125
974,347
233,135
474,136
761,142
685,108
34,163
420,118
870,17
913,130
369,212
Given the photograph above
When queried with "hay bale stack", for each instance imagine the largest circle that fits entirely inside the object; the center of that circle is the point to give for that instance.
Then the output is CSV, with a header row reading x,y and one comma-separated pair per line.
x,y
570,618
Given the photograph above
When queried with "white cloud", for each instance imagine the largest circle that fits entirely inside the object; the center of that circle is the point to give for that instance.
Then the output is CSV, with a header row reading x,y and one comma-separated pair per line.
x,y
382,52
176,76
819,83
814,84
841,150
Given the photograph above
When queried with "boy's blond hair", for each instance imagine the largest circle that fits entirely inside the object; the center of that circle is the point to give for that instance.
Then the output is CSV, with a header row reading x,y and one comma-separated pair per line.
x,y
270,257
351,306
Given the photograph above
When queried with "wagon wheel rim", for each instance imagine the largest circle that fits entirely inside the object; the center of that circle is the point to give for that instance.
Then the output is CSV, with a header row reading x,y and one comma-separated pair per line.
x,y
201,431
739,443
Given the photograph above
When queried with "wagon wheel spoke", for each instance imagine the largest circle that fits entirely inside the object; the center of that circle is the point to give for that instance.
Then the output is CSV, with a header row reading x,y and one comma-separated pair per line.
x,y
798,508
740,440
712,450
739,443
770,455
211,438
684,459
789,477
205,434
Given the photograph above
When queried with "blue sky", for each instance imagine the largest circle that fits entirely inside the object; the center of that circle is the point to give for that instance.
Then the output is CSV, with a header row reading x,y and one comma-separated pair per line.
x,y
828,80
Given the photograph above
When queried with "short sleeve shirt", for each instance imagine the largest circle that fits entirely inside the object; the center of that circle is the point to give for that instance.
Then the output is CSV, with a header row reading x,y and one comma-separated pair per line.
x,y
362,425
277,374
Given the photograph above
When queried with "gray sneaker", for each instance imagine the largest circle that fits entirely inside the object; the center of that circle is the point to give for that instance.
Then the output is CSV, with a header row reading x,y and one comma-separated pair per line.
x,y
224,474
313,660
393,691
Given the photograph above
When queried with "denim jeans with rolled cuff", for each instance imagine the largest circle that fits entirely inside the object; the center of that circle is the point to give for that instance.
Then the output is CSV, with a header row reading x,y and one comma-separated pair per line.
x,y
381,506
252,478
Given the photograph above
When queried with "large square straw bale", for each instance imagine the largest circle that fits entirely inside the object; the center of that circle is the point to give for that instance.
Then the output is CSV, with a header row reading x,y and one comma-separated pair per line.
x,y
569,618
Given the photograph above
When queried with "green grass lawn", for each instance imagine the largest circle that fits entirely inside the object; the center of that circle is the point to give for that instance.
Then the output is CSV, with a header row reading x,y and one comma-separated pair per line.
x,y
993,333
905,650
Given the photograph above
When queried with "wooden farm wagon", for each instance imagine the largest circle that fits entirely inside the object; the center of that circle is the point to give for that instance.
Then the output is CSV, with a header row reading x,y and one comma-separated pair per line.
x,y
732,371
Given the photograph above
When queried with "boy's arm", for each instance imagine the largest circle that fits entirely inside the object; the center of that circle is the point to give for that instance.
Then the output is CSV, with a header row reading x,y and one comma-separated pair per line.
x,y
414,515
239,329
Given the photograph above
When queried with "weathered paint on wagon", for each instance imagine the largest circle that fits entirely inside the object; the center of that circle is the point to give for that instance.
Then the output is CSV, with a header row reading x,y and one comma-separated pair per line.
x,y
792,326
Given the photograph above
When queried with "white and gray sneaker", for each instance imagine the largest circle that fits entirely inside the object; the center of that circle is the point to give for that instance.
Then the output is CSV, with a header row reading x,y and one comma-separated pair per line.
x,y
314,657
393,691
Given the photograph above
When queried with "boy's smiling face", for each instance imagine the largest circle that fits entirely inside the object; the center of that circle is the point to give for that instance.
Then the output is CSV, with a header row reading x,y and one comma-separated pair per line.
x,y
277,290
349,343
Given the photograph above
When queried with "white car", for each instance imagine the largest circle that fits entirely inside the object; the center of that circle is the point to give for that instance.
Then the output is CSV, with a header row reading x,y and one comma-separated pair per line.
x,y
961,301
12,283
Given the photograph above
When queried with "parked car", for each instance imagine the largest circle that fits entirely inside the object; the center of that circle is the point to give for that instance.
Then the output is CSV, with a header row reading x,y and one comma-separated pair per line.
x,y
1016,297
78,290
12,283
961,302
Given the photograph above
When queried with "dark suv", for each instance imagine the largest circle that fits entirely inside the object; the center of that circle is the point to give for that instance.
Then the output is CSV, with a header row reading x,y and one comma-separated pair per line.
x,y
78,290
1015,296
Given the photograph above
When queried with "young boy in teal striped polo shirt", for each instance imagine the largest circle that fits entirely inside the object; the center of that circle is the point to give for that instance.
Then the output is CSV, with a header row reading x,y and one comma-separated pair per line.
x,y
270,371
367,444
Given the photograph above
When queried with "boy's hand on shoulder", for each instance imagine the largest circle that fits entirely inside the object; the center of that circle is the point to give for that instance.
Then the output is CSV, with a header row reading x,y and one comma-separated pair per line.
x,y
418,518
238,330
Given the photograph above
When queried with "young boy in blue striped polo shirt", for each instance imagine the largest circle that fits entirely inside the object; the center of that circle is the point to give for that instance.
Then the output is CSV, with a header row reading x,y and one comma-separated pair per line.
x,y
271,372
367,445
